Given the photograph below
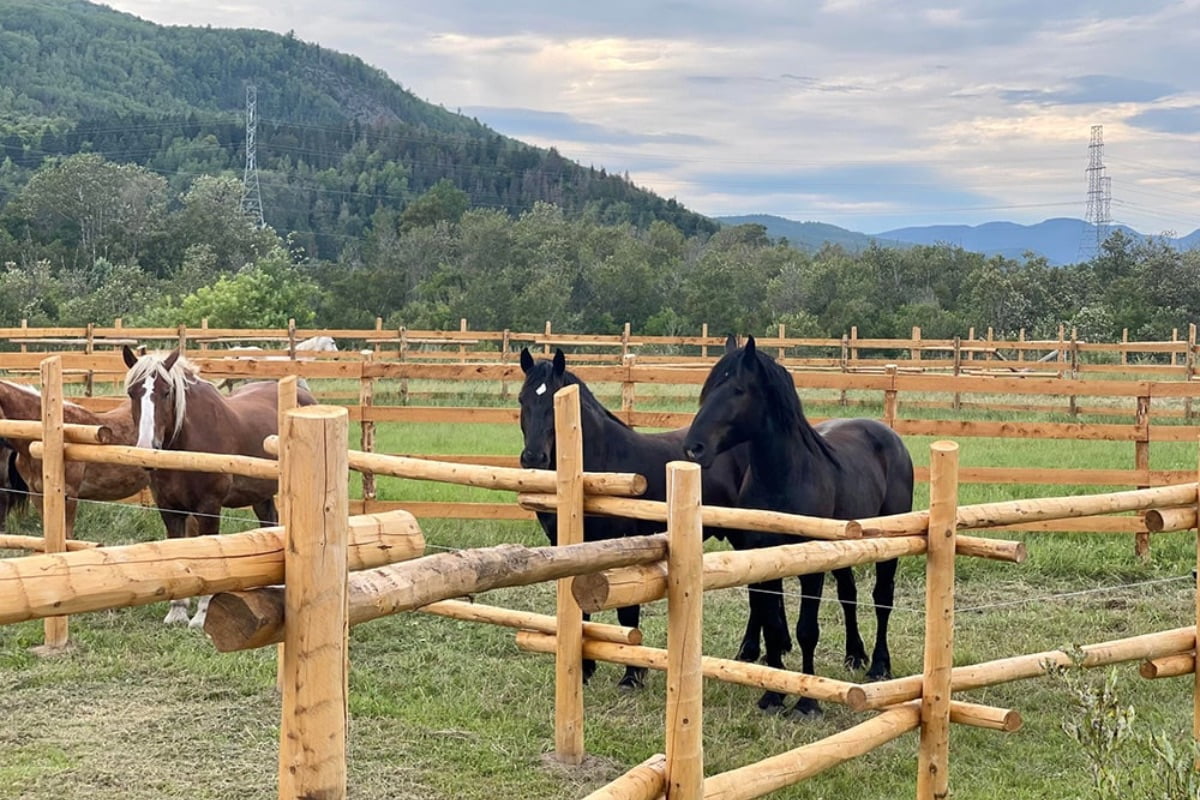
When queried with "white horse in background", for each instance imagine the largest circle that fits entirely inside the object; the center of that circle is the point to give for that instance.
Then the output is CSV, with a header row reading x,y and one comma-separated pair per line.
x,y
313,344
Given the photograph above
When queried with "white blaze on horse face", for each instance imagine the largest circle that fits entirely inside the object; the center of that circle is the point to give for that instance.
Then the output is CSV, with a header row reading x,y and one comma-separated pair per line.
x,y
541,390
146,422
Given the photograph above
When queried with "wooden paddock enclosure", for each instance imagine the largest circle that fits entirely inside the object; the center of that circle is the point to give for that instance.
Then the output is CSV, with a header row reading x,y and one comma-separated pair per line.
x,y
1139,393
337,570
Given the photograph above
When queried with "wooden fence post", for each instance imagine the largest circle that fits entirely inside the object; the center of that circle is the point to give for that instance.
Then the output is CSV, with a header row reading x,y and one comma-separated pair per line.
x,y
286,400
1021,350
1141,462
1073,400
291,339
685,602
546,342
1174,339
315,503
890,401
402,356
782,348
54,501
989,353
958,369
915,351
628,389
844,362
462,345
366,399
625,341
568,659
89,348
704,335
933,758
1195,668
1190,369
182,338
505,347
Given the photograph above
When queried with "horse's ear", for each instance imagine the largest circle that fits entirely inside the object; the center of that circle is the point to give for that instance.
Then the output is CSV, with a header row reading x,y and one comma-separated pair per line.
x,y
170,360
731,343
526,360
749,353
129,356
560,362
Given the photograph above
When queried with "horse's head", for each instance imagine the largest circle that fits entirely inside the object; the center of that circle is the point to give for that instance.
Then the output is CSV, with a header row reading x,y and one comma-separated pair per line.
x,y
542,379
156,385
732,403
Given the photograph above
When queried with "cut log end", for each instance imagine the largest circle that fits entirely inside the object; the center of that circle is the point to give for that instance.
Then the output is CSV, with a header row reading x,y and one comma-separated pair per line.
x,y
243,620
591,592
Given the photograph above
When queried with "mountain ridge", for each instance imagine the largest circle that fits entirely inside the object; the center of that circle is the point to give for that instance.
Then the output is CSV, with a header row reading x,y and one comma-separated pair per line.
x,y
1057,239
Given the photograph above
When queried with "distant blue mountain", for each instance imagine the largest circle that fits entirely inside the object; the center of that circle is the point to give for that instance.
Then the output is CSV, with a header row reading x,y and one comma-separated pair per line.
x,y
810,235
1058,240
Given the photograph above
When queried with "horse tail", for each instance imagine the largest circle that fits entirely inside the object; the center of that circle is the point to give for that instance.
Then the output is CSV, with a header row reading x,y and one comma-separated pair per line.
x,y
13,489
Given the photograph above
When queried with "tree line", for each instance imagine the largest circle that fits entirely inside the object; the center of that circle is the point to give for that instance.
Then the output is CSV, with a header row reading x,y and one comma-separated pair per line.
x,y
88,240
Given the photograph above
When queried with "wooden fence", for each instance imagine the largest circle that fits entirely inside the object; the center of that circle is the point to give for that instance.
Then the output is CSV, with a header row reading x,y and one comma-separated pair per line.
x,y
1153,411
320,542
1064,355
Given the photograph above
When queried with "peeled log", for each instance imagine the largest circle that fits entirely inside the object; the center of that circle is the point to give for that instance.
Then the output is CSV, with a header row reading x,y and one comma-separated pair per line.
x,y
405,587
74,433
527,620
1015,512
1161,520
786,769
721,669
1015,668
128,456
13,541
115,577
1168,666
751,519
486,477
637,585
646,781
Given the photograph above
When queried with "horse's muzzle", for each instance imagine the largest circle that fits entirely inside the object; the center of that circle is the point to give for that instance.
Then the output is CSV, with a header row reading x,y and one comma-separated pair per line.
x,y
535,460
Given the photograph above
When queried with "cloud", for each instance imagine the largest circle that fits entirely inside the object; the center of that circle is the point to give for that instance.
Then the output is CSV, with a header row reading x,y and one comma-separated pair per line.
x,y
1184,120
558,125
1095,89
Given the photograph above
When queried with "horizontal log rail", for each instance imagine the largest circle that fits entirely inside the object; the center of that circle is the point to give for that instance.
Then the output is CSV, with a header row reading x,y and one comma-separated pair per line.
x,y
97,579
244,620
504,478
246,466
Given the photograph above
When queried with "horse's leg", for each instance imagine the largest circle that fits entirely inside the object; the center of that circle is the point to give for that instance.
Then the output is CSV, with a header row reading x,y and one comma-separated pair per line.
x,y
266,512
176,523
208,523
766,605
589,666
884,595
847,592
808,632
635,677
751,648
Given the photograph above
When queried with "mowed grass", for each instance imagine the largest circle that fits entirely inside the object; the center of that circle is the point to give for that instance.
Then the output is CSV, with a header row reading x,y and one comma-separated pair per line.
x,y
444,709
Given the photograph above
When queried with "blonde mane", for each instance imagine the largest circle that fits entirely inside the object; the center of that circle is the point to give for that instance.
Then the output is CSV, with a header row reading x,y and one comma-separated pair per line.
x,y
182,373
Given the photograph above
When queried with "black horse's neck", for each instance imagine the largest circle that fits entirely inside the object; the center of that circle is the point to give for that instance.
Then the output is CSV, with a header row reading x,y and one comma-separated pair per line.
x,y
791,465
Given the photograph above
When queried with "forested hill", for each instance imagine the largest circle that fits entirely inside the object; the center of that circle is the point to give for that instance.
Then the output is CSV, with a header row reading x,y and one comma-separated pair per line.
x,y
337,141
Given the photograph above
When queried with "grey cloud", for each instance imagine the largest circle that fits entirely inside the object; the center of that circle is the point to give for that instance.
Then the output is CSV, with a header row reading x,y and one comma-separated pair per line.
x,y
1168,120
1087,89
557,125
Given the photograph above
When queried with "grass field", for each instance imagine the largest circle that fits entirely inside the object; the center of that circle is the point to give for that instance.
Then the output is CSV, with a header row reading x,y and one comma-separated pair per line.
x,y
446,710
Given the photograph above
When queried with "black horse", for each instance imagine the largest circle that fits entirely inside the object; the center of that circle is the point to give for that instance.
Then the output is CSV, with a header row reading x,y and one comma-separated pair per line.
x,y
840,469
609,445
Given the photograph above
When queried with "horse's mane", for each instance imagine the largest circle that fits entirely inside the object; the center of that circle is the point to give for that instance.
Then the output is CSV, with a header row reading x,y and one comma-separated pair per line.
x,y
182,373
782,401
543,370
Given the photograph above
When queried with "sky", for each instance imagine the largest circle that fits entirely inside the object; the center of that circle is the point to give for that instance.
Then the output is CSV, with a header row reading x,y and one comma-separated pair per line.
x,y
868,115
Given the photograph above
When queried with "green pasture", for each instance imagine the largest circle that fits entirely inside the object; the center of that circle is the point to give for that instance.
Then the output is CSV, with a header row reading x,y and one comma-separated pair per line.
x,y
449,710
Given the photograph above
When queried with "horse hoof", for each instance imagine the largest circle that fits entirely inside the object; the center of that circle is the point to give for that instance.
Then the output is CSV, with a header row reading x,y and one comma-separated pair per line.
x,y
805,708
771,702
634,679
749,654
884,674
855,662
177,616
196,622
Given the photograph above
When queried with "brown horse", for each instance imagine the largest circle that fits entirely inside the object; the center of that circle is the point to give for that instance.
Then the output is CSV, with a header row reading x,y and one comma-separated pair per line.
x,y
173,409
84,481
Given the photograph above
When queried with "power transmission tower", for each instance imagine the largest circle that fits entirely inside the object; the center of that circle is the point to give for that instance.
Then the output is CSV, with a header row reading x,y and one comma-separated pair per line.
x,y
1099,197
251,195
